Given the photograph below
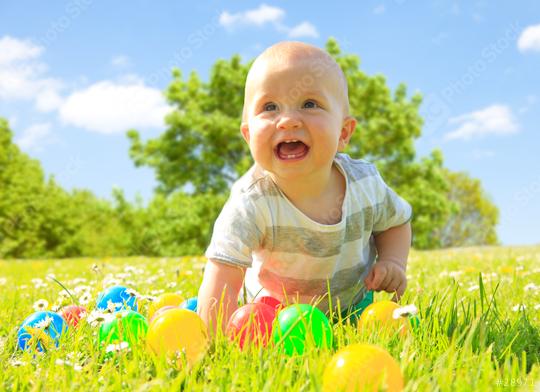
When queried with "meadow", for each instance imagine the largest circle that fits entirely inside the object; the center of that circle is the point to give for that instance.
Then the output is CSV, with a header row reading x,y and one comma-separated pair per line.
x,y
479,310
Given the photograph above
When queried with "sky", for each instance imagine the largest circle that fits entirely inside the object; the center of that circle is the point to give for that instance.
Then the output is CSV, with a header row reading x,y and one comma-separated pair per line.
x,y
76,75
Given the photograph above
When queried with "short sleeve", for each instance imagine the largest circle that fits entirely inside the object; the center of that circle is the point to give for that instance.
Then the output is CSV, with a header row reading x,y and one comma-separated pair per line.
x,y
238,231
391,209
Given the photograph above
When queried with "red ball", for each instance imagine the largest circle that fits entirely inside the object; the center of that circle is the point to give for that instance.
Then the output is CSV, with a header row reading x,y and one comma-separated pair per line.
x,y
72,314
270,301
252,323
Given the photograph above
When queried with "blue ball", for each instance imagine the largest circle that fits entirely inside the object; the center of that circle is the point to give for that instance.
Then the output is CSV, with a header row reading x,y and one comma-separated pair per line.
x,y
41,330
190,304
119,296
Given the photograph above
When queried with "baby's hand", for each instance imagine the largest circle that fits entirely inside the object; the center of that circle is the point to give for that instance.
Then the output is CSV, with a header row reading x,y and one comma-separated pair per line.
x,y
388,276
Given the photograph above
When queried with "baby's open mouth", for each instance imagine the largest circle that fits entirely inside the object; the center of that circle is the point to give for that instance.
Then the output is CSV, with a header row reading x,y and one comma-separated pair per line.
x,y
291,150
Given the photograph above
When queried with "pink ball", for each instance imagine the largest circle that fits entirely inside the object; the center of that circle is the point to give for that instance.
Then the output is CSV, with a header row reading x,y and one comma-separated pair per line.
x,y
252,323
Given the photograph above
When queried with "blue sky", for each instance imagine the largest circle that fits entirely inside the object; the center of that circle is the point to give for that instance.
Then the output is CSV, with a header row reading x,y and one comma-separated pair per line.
x,y
75,75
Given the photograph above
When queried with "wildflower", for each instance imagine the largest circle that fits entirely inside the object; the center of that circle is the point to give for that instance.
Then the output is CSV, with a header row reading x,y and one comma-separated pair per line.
x,y
455,274
474,287
75,366
405,311
45,323
536,307
111,306
129,269
95,318
149,298
56,307
519,307
3,281
85,299
38,283
117,347
40,304
16,363
531,287
132,293
171,285
82,289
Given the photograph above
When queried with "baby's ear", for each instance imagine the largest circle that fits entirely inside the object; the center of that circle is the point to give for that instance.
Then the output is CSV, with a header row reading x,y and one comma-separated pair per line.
x,y
244,128
347,129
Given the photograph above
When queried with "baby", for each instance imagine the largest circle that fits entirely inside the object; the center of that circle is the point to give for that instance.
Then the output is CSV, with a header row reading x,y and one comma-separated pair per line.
x,y
306,223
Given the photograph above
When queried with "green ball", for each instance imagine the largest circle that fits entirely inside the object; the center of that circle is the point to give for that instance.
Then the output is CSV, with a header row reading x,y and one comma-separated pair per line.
x,y
302,325
125,326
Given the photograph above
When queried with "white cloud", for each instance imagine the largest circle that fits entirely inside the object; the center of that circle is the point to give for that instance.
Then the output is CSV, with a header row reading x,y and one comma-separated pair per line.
x,y
13,50
304,29
529,39
120,61
34,137
264,15
495,119
22,75
256,17
114,107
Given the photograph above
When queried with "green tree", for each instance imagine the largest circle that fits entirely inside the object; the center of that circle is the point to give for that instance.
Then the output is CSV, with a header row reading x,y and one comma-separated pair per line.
x,y
475,216
202,145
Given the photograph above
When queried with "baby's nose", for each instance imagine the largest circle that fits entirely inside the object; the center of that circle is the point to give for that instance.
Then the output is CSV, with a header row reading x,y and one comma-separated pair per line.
x,y
289,120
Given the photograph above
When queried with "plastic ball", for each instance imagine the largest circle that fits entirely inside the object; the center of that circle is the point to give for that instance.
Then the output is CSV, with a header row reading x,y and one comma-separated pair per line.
x,y
73,314
251,323
302,325
116,298
167,299
271,301
190,304
178,332
124,326
161,310
380,316
41,330
362,367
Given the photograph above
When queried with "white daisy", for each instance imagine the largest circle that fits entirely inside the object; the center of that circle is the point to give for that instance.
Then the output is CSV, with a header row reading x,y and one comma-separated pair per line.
x,y
404,311
40,304
117,347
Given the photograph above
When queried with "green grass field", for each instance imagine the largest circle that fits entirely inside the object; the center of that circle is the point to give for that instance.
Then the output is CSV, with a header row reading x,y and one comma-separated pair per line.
x,y
479,311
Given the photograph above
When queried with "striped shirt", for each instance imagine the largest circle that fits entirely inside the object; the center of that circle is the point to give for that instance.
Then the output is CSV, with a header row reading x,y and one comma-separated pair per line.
x,y
289,255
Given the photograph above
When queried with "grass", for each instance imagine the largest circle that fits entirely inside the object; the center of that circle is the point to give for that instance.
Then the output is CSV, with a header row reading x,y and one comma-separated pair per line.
x,y
479,311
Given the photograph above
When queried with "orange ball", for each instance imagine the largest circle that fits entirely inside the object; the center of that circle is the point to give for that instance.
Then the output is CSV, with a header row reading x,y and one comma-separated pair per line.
x,y
178,332
380,316
167,299
362,367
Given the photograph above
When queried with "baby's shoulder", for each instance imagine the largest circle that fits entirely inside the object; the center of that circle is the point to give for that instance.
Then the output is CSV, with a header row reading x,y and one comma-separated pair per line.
x,y
356,169
253,184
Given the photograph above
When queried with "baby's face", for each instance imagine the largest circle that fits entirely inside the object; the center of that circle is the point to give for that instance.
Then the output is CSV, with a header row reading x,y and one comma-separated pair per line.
x,y
295,117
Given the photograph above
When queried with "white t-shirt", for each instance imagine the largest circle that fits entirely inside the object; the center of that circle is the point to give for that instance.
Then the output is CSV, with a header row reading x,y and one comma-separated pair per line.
x,y
290,255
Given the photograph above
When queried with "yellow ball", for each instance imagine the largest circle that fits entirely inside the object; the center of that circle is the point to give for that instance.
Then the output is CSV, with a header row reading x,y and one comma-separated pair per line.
x,y
380,316
178,332
362,367
167,299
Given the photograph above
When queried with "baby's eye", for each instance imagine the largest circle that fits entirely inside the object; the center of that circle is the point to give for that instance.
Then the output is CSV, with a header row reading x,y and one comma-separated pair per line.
x,y
310,104
270,107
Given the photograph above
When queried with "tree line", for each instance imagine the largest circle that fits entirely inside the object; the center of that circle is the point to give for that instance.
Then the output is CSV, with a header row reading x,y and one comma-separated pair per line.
x,y
202,150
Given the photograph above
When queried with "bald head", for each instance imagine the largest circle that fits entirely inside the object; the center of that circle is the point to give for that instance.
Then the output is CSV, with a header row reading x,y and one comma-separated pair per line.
x,y
288,54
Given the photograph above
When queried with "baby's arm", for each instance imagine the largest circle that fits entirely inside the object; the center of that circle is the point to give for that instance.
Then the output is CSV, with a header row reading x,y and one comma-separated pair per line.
x,y
219,279
388,273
